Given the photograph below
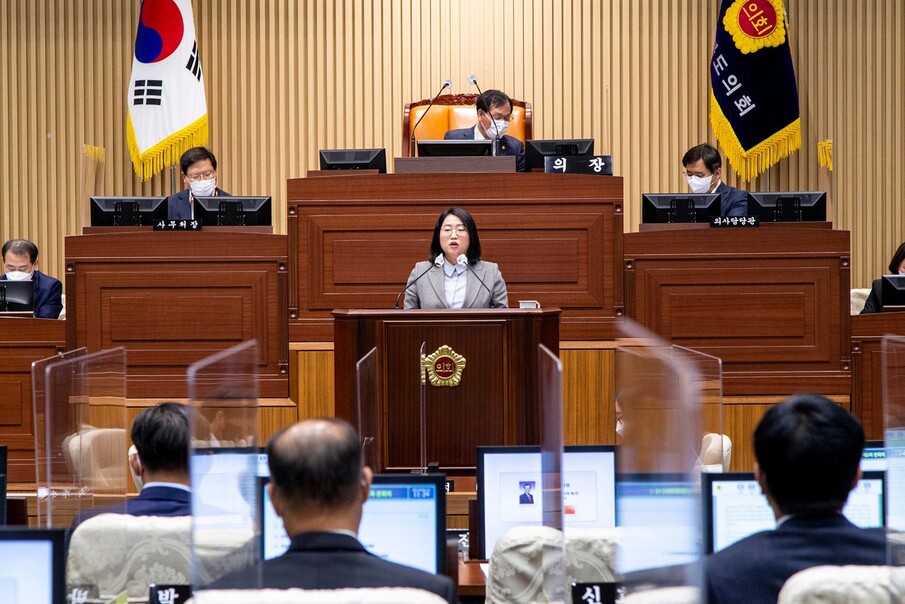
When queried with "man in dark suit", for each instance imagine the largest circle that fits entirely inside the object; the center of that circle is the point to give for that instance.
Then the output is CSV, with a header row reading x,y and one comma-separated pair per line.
x,y
159,465
703,171
526,497
20,261
808,452
199,172
494,112
318,485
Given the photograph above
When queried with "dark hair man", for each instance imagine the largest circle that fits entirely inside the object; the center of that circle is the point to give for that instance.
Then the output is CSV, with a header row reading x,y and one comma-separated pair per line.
x,y
199,172
494,110
808,452
318,485
703,171
20,263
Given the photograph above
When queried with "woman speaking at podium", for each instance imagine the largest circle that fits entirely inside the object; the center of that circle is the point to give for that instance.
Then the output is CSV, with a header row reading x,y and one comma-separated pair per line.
x,y
454,276
896,267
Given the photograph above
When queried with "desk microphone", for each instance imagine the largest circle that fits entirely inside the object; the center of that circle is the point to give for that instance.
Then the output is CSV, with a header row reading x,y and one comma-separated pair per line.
x,y
438,261
463,259
446,84
494,144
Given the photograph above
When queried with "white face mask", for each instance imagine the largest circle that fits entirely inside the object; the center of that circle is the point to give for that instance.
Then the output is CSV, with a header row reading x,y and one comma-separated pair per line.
x,y
18,276
203,188
699,184
619,427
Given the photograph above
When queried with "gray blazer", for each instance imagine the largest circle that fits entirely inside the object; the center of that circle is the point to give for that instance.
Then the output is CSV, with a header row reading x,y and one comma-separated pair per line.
x,y
430,290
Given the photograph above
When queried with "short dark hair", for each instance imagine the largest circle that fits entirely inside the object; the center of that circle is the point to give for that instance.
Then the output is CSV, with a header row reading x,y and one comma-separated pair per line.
x,y
193,156
492,98
897,259
474,242
809,450
320,473
706,152
21,246
161,437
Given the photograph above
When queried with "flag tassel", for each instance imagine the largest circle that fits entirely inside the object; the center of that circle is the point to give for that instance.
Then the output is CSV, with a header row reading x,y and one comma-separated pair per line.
x,y
166,152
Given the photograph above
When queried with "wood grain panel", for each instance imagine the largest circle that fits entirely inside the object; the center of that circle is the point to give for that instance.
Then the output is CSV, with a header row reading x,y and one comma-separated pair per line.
x,y
867,367
315,383
589,413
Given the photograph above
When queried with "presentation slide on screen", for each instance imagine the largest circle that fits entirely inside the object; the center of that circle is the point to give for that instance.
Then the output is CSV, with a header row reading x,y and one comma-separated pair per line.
x,y
224,488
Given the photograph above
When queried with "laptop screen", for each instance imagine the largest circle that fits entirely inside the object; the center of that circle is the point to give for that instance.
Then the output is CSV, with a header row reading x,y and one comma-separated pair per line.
x,y
34,566
735,508
224,485
404,521
508,478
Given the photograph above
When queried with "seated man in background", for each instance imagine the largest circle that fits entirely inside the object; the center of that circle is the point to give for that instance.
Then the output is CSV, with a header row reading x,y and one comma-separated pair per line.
x,y
20,263
318,485
703,171
808,453
199,171
161,465
494,112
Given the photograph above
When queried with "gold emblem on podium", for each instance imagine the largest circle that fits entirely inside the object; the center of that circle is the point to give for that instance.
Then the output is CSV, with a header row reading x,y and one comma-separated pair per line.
x,y
444,367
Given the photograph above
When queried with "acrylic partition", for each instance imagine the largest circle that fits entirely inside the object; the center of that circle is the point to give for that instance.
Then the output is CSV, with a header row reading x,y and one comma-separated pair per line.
x,y
366,414
550,386
227,464
82,450
658,510
715,448
893,362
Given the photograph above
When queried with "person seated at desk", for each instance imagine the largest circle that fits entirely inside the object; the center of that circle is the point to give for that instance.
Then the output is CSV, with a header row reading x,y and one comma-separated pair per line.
x,y
703,169
20,263
160,466
808,454
874,301
461,278
494,112
199,171
318,486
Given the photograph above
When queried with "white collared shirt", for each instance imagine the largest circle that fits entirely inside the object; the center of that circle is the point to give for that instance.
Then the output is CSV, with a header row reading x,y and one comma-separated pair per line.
x,y
455,280
171,485
477,134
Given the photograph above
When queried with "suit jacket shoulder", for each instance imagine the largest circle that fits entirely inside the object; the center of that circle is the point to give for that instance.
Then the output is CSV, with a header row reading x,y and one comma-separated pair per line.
x,y
874,301
48,296
733,202
460,134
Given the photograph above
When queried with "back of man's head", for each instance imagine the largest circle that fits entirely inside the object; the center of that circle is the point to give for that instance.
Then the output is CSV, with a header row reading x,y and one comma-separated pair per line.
x,y
492,98
706,153
316,465
161,437
809,450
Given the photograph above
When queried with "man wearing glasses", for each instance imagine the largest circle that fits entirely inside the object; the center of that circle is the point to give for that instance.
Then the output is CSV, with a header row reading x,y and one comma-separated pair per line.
x,y
494,112
703,170
199,171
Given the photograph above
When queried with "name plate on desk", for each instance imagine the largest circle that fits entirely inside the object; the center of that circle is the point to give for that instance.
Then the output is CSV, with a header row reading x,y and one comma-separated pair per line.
x,y
177,225
579,164
720,222
596,593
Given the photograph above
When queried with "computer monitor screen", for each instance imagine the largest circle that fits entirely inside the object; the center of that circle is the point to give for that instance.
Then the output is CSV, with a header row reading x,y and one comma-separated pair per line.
x,y
404,521
504,472
224,485
354,159
233,211
873,457
537,150
735,508
788,206
456,148
679,207
34,566
892,292
127,211
17,296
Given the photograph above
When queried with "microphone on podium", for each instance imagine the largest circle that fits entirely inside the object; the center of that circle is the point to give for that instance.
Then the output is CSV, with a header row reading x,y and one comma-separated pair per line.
x,y
494,143
463,259
447,83
438,261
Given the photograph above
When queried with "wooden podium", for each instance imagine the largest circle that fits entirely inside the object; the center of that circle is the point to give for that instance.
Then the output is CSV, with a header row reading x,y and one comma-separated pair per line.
x,y
867,367
495,403
172,298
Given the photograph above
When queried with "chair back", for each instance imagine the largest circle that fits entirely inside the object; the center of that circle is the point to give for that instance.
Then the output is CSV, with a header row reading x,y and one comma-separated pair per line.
x,y
98,457
844,584
454,111
364,595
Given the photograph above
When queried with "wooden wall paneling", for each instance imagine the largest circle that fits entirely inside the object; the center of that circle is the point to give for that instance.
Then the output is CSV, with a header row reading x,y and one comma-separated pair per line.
x,y
589,413
315,381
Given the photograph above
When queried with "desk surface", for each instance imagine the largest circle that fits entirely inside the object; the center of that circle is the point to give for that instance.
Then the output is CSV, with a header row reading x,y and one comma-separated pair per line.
x,y
472,581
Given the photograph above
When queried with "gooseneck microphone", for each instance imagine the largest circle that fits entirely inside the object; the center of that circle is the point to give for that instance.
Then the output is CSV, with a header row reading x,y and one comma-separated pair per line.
x,y
463,259
495,143
446,84
438,261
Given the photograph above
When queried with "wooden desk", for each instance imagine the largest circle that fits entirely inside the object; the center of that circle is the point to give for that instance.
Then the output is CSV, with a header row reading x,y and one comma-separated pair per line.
x,y
557,238
867,367
472,582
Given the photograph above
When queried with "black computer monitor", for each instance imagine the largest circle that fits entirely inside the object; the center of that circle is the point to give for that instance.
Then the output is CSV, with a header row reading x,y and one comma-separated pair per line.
x,y
354,159
679,207
34,565
233,211
17,296
127,211
788,206
892,292
455,148
537,150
